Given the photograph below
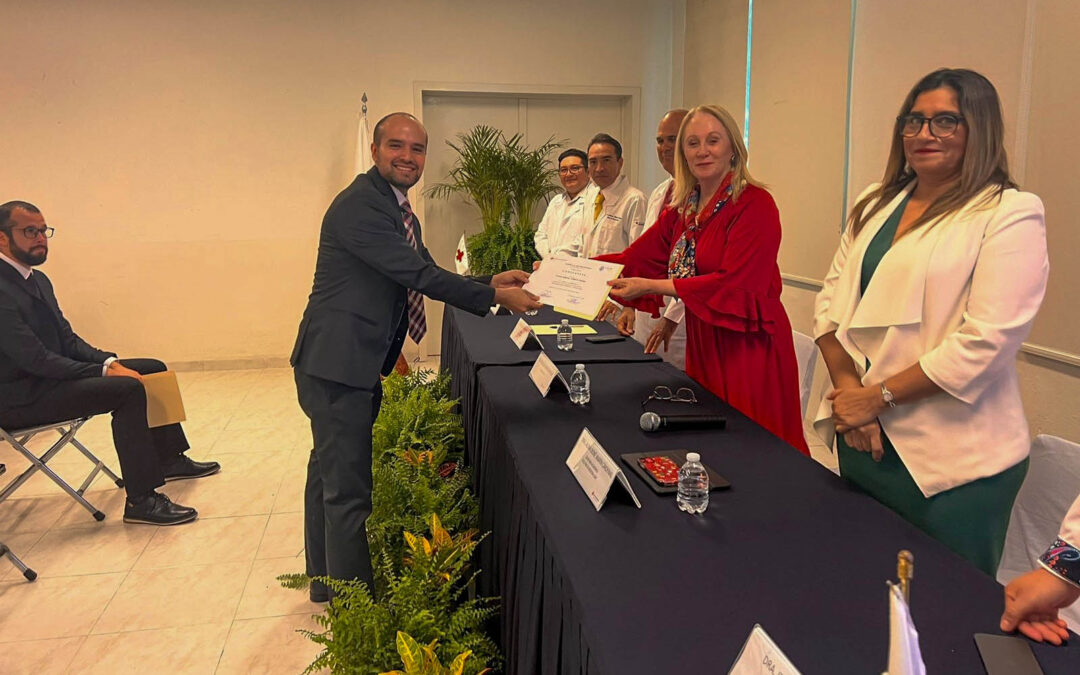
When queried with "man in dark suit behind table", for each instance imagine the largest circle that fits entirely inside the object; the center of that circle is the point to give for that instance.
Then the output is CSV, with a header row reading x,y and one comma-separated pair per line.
x,y
371,274
50,374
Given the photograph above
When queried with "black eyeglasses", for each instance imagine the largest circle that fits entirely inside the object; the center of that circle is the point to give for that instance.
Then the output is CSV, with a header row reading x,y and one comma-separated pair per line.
x,y
567,170
662,393
32,233
941,126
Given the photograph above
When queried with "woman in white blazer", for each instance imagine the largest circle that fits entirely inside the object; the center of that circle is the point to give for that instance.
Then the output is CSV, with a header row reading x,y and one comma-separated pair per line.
x,y
922,359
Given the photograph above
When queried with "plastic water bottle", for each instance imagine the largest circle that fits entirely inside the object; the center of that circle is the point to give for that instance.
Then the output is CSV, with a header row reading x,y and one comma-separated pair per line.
x,y
693,485
564,336
579,385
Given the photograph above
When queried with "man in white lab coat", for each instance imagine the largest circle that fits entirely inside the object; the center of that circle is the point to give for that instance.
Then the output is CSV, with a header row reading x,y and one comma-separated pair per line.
x,y
563,225
667,331
616,215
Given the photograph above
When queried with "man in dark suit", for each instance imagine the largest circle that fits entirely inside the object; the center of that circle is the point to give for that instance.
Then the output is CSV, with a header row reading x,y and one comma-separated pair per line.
x,y
49,374
371,274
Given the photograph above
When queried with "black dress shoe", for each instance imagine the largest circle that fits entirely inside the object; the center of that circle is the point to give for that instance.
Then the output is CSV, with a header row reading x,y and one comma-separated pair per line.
x,y
183,467
157,509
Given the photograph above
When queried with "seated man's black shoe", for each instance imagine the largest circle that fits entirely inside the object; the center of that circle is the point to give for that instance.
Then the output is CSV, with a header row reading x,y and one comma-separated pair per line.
x,y
157,509
183,467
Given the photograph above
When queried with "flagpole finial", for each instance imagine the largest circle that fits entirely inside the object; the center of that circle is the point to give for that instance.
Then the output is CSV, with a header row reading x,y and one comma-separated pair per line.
x,y
363,101
905,571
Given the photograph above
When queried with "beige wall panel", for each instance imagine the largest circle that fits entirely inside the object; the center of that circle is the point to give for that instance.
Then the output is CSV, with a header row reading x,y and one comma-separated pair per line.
x,y
798,107
897,43
1050,170
210,137
714,66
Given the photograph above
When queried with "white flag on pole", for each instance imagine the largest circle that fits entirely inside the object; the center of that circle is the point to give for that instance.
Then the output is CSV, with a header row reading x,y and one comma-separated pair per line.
x,y
905,657
362,161
461,257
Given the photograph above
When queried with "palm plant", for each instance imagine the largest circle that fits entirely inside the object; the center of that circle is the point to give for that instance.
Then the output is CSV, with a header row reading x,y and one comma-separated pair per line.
x,y
506,180
530,176
477,173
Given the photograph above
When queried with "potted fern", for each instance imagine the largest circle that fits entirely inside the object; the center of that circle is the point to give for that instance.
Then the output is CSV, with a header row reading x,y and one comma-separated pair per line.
x,y
506,180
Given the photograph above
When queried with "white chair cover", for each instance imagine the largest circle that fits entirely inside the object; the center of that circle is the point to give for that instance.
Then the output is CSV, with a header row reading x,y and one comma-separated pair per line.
x,y
1051,485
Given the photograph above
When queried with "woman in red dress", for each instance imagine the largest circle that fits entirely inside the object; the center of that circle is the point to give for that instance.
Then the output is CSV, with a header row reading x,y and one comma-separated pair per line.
x,y
715,249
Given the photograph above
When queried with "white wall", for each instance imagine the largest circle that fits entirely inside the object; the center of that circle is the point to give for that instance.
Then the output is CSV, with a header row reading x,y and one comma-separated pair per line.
x,y
186,151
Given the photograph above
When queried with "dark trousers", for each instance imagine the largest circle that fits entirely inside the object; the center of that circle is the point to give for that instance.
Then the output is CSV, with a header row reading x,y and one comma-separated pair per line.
x,y
337,499
142,451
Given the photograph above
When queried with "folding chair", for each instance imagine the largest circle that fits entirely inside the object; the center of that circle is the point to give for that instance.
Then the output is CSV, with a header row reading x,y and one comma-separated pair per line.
x,y
67,430
5,551
806,357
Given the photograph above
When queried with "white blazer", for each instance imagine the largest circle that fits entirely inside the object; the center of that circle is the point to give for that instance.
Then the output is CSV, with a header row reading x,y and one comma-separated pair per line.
x,y
959,299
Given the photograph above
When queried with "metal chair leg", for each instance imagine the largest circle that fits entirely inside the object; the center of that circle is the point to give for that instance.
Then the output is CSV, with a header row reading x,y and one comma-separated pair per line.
x,y
26,571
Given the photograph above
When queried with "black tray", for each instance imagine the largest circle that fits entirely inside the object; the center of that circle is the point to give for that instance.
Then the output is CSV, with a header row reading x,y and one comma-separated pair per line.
x,y
716,481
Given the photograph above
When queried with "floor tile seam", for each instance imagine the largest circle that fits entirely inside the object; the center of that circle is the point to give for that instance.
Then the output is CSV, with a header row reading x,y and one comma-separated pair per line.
x,y
119,586
236,610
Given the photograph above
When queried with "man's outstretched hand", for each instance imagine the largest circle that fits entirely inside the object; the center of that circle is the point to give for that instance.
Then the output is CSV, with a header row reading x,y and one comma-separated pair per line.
x,y
516,299
511,279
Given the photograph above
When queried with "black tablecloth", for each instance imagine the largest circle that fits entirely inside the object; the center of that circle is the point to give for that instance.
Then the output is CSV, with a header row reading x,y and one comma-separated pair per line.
x,y
470,342
789,546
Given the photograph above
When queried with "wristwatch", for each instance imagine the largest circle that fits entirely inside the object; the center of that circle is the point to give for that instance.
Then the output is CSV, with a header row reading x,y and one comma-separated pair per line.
x,y
887,396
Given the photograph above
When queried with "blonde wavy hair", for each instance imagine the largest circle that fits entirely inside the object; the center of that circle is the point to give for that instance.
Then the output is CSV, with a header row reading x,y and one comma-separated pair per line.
x,y
685,181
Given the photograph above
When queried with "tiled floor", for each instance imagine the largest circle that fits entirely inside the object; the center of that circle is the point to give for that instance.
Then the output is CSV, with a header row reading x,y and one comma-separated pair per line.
x,y
199,598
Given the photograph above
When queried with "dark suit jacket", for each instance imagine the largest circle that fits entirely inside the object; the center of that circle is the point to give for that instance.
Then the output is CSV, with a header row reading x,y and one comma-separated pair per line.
x,y
38,349
355,321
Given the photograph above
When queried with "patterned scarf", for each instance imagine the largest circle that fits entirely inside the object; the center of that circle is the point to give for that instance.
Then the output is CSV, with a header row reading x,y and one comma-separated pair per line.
x,y
683,261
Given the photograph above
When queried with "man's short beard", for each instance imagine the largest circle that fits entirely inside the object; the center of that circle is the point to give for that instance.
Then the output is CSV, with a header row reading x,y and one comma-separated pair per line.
x,y
28,258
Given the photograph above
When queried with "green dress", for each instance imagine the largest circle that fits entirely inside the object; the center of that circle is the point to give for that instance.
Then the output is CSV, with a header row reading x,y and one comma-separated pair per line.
x,y
971,519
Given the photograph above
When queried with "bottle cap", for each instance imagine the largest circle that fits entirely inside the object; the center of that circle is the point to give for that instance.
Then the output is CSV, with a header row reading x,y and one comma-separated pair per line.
x,y
580,366
693,457
566,322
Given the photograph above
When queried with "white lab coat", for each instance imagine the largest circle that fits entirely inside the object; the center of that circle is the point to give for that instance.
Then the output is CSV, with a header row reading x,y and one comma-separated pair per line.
x,y
563,225
644,323
958,298
620,222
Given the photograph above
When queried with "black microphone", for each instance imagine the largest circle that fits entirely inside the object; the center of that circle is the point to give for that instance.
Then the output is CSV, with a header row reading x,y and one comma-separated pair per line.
x,y
650,421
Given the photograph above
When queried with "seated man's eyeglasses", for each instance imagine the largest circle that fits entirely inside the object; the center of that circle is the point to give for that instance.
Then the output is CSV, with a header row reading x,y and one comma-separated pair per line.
x,y
567,170
31,233
662,393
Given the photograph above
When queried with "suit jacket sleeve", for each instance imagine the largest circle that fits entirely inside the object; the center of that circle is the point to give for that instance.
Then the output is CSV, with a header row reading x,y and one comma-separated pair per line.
x,y
74,345
22,346
371,234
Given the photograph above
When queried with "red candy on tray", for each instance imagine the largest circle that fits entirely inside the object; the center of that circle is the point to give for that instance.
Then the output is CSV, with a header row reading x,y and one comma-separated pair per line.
x,y
662,469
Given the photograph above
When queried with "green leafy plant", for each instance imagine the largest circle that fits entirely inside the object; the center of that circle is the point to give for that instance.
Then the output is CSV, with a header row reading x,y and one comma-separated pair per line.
x,y
424,661
423,584
506,180
426,599
478,173
417,414
405,493
507,247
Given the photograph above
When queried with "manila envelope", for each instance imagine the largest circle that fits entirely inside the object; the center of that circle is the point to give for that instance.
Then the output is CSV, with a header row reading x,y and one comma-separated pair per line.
x,y
163,403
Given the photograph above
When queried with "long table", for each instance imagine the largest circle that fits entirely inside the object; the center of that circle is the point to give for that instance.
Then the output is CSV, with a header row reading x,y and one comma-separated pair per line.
x,y
623,590
790,546
470,343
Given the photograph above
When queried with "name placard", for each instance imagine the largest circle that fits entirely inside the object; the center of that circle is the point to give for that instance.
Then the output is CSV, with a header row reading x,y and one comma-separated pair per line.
x,y
761,656
545,373
596,471
523,336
